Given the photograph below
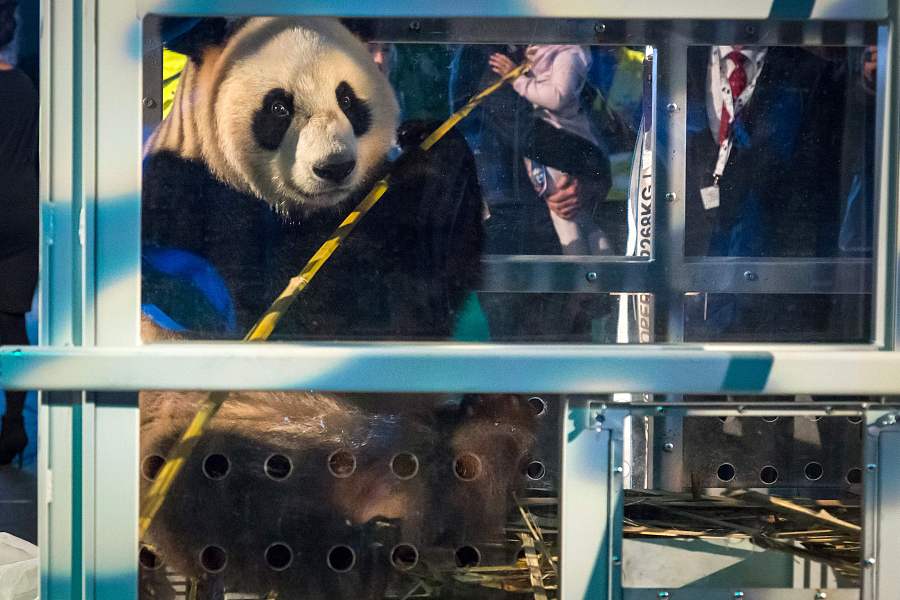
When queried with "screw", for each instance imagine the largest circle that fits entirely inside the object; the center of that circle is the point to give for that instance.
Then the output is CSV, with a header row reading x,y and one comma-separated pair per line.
x,y
821,596
869,562
671,107
415,26
871,467
671,196
599,27
668,446
749,275
148,102
620,470
591,276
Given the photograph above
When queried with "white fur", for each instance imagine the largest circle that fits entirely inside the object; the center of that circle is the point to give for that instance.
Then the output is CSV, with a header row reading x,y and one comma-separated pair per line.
x,y
309,57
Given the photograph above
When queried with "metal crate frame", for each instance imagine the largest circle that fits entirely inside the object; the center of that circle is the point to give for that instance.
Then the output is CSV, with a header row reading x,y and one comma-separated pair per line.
x,y
92,93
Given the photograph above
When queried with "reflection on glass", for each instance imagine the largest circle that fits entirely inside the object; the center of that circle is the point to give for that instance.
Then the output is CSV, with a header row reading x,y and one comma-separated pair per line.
x,y
274,129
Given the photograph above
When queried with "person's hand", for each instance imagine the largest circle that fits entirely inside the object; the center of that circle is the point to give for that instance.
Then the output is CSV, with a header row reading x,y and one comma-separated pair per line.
x,y
564,201
501,64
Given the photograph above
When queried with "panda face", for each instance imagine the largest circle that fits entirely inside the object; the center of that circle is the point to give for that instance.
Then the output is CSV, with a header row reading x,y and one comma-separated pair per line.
x,y
301,116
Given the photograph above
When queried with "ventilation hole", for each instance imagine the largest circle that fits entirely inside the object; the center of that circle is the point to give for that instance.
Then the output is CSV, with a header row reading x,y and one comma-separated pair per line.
x,y
405,465
278,466
535,470
467,557
725,472
404,556
768,475
149,559
151,466
279,556
855,420
341,558
770,419
467,466
213,559
854,476
538,405
216,466
813,471
342,463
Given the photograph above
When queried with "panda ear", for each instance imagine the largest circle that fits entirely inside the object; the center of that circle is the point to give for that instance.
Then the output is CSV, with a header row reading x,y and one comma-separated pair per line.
x,y
193,36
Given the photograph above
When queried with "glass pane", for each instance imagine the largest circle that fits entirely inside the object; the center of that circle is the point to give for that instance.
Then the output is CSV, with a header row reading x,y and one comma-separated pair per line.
x,y
255,154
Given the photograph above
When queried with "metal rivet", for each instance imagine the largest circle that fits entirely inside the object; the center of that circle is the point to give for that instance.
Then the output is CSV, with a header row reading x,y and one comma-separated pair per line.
x,y
671,196
741,409
620,470
662,595
869,562
668,446
148,102
617,560
599,27
739,594
591,276
829,410
821,596
671,107
415,26
871,467
749,275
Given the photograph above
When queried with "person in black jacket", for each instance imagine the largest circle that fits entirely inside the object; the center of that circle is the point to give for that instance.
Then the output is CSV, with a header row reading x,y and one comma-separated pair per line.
x,y
18,220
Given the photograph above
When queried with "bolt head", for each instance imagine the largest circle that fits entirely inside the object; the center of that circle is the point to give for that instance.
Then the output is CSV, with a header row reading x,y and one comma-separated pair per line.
x,y
662,595
871,467
599,27
750,276
821,596
668,446
415,26
591,276
671,196
620,470
671,107
148,102
869,562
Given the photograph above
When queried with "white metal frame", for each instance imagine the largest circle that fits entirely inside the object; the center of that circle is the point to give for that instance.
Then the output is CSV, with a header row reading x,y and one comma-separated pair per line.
x,y
90,195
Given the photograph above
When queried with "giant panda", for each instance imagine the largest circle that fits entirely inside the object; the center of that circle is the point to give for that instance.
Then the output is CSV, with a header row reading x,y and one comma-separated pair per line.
x,y
279,126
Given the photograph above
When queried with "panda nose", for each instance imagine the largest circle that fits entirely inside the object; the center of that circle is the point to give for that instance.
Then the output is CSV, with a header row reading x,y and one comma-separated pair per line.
x,y
334,171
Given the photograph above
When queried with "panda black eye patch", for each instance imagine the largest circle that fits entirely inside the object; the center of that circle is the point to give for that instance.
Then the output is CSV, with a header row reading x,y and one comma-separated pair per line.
x,y
356,110
272,119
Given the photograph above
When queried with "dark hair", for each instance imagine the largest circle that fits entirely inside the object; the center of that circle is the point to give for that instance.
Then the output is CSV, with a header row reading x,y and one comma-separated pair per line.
x,y
7,22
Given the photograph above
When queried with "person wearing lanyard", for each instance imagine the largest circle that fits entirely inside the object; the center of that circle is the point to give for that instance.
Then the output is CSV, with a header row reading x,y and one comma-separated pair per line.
x,y
763,170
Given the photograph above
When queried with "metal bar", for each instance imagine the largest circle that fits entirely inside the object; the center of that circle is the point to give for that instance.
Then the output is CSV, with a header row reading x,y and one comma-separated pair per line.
x,y
690,593
622,9
590,503
517,30
722,275
885,584
454,368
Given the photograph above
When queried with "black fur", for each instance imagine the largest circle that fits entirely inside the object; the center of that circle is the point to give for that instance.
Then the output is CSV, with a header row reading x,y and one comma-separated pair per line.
x,y
402,274
354,108
272,118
